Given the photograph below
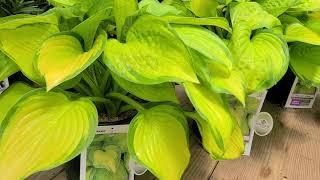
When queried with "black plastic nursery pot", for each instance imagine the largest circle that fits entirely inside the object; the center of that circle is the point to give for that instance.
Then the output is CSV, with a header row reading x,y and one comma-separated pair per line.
x,y
123,118
279,93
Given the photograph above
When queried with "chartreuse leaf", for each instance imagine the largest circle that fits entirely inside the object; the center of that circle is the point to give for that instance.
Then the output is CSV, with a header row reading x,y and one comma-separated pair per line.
x,y
233,84
13,17
235,146
98,5
156,8
313,22
155,93
82,5
11,96
212,60
45,129
298,32
210,21
16,21
7,66
63,3
158,138
306,5
144,58
204,8
180,5
263,58
252,15
278,7
122,9
61,57
21,37
88,28
208,44
221,133
304,61
295,30
108,159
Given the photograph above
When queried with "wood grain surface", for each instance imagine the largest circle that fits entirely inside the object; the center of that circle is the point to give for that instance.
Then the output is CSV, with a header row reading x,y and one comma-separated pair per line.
x,y
53,174
291,151
201,165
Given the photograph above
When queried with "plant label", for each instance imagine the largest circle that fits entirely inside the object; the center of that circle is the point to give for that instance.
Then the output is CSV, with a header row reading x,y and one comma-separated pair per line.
x,y
301,96
108,156
259,99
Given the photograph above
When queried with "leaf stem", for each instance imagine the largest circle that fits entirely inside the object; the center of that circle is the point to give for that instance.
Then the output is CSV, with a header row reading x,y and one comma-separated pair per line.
x,y
92,85
192,115
126,108
82,89
126,99
107,102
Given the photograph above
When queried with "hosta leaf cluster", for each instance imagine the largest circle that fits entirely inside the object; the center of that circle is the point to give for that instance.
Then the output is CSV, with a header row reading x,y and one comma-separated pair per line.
x,y
129,50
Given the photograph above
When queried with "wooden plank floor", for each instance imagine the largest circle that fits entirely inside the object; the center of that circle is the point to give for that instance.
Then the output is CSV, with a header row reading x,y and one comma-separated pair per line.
x,y
54,174
291,151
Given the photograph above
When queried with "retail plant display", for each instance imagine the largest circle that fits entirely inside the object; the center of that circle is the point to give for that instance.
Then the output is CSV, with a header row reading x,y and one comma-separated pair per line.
x,y
79,54
108,158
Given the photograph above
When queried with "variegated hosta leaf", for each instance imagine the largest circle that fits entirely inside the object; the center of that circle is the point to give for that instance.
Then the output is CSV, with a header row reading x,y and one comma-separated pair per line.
x,y
7,66
210,21
98,5
156,8
158,138
180,5
122,9
45,129
81,5
296,30
221,133
88,28
233,84
305,62
10,97
61,57
15,21
278,7
263,58
64,3
203,8
21,37
208,44
252,15
306,6
299,32
212,60
313,22
154,93
235,143
145,57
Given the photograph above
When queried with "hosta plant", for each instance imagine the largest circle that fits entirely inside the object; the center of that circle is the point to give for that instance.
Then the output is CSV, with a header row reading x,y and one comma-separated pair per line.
x,y
213,49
